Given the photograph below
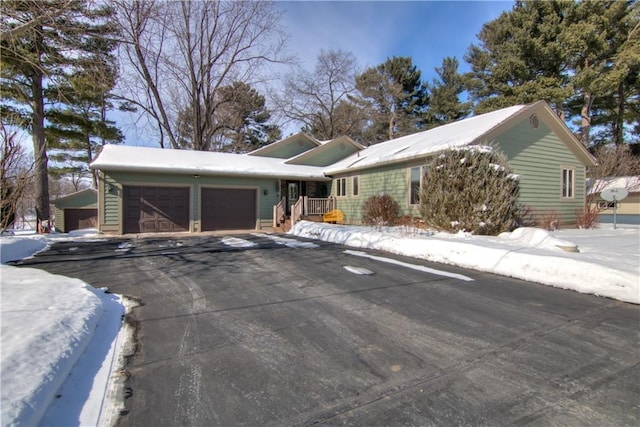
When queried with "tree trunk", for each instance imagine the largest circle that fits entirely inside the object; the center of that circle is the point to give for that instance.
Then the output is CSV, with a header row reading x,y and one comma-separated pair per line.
x,y
41,170
618,124
585,115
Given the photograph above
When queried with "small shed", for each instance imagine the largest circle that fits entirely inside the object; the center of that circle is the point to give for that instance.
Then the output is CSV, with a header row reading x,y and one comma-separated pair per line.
x,y
76,211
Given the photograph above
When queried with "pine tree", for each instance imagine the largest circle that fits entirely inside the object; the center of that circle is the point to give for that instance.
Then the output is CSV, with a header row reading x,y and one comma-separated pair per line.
x,y
42,45
604,53
444,95
521,58
239,123
79,125
393,98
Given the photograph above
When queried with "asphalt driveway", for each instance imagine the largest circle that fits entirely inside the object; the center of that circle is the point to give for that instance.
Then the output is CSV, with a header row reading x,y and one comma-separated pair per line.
x,y
254,331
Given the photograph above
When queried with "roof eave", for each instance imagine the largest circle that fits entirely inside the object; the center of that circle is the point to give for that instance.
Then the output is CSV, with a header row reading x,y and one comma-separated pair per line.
x,y
187,171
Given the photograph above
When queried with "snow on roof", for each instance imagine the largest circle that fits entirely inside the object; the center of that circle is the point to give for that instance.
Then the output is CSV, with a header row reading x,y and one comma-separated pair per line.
x,y
631,183
145,159
420,144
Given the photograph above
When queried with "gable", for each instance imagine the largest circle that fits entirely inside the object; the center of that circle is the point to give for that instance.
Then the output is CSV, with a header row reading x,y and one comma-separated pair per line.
x,y
327,153
288,147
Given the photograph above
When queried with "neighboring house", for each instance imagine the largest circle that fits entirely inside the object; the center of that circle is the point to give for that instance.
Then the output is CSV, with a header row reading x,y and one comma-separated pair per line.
x,y
76,211
628,209
151,189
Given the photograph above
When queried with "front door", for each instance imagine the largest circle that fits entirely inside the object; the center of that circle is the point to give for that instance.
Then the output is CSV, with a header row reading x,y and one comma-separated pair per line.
x,y
292,195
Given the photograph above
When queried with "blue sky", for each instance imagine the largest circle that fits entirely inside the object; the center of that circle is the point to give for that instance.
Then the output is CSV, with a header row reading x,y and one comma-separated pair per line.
x,y
373,31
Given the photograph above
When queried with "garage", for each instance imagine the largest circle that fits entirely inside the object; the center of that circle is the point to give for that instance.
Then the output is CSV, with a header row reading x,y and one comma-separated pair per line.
x,y
228,209
156,209
76,211
80,219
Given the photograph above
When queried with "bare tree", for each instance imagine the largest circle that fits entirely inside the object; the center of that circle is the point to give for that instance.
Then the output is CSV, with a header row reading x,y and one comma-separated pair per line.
x,y
613,161
181,54
320,99
15,175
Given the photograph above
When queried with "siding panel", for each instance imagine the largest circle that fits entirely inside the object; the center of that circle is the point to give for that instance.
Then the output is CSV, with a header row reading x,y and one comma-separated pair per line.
x,y
538,156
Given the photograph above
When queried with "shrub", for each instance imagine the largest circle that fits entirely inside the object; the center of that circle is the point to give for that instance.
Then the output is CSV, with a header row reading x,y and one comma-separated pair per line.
x,y
470,189
549,220
587,217
380,210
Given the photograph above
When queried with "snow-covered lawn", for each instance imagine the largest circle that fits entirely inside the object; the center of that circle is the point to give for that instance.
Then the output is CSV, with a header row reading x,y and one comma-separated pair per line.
x,y
607,262
62,340
61,343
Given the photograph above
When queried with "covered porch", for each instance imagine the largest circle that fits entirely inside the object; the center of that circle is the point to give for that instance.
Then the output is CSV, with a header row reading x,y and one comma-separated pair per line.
x,y
302,200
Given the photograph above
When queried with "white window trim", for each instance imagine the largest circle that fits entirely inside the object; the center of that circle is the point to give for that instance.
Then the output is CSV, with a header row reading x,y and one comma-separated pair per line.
x,y
355,179
572,185
341,187
423,170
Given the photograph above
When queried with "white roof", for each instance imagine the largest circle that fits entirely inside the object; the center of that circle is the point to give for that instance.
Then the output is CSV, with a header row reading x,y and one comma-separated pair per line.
x,y
420,144
631,183
145,159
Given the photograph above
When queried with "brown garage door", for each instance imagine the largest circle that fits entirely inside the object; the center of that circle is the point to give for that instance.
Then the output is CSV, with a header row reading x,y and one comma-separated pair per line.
x,y
228,209
156,209
79,219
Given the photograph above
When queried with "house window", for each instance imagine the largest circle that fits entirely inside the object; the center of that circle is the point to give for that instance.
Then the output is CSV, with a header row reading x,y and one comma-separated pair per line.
x,y
354,186
415,185
568,183
341,187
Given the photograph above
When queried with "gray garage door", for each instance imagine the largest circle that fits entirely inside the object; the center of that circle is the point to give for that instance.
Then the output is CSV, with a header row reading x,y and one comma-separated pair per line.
x,y
228,209
79,219
156,209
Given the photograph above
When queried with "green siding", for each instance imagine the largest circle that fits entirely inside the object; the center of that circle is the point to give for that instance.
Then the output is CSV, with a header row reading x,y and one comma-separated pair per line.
x,y
538,156
111,215
289,149
113,202
391,180
328,156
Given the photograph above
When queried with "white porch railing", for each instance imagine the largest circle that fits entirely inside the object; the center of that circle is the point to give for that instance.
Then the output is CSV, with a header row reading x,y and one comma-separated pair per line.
x,y
303,206
317,206
279,213
297,210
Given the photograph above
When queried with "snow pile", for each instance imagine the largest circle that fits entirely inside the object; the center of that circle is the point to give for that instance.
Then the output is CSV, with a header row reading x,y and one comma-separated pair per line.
x,y
14,248
47,323
528,254
59,342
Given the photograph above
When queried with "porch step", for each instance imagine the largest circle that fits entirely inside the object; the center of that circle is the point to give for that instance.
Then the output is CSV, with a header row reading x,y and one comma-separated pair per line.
x,y
314,218
284,226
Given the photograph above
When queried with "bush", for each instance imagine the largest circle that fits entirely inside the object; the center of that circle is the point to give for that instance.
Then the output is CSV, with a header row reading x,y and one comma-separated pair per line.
x,y
549,220
380,210
587,217
470,189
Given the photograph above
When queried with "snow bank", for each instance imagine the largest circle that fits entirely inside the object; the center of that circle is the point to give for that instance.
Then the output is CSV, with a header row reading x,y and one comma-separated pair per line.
x,y
15,248
528,254
47,322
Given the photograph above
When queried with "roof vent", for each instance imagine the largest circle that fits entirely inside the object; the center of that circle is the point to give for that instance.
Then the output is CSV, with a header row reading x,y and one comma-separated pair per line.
x,y
534,121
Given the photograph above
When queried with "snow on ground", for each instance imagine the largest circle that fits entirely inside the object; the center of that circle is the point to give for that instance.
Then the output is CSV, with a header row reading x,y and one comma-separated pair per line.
x,y
61,343
607,262
62,340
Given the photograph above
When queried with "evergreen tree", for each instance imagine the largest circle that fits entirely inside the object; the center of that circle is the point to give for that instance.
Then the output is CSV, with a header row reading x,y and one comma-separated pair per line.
x,y
393,98
240,122
79,125
521,58
604,53
444,95
42,46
